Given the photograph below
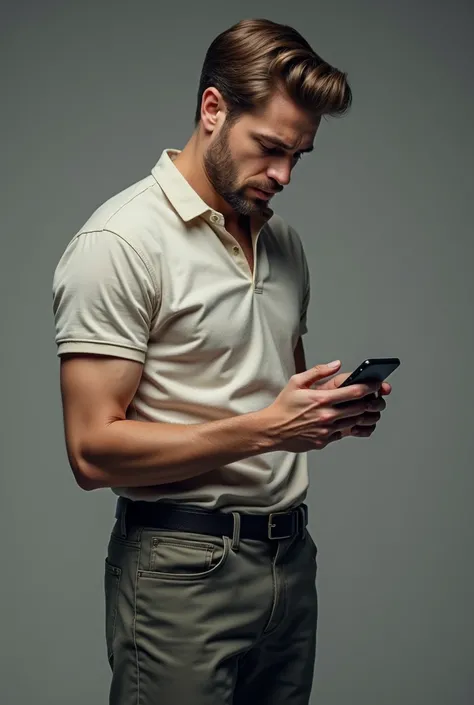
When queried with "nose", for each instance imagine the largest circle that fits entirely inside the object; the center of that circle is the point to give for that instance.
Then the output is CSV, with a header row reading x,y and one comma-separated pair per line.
x,y
280,172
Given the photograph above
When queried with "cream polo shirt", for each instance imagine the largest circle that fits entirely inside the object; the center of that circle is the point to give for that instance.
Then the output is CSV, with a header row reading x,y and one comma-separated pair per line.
x,y
154,276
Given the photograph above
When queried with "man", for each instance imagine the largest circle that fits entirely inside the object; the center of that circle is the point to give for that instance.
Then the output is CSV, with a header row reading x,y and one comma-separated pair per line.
x,y
179,309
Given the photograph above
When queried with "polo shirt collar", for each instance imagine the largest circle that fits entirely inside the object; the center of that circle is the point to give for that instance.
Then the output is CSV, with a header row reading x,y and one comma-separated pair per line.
x,y
184,199
178,191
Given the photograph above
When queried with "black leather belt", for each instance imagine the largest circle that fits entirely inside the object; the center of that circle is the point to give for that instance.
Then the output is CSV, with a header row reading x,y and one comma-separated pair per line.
x,y
160,515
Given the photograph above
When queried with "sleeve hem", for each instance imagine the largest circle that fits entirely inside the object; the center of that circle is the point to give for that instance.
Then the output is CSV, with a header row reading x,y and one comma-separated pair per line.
x,y
101,349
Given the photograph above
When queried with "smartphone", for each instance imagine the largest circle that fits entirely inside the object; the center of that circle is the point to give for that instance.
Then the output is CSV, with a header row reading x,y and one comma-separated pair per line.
x,y
373,369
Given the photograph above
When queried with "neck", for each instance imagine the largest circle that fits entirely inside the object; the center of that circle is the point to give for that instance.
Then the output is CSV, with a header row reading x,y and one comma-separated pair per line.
x,y
190,162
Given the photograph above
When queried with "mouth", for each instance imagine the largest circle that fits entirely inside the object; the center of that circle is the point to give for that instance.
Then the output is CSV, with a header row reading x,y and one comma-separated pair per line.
x,y
263,195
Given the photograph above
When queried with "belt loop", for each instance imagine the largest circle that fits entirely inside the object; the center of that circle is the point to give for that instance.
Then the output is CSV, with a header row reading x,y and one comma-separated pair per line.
x,y
123,514
236,532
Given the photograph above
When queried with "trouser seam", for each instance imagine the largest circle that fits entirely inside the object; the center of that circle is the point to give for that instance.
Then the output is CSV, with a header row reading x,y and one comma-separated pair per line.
x,y
137,665
276,593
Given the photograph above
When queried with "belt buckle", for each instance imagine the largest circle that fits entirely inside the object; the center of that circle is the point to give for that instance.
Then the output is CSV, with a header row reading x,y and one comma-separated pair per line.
x,y
271,526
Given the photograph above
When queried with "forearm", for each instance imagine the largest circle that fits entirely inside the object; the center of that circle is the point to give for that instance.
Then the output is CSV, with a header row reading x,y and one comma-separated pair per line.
x,y
137,454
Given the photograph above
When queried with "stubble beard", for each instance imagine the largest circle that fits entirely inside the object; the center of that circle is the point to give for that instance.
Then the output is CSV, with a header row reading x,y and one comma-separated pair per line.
x,y
221,170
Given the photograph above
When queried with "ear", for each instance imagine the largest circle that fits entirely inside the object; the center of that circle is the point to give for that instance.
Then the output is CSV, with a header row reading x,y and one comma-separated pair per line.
x,y
212,109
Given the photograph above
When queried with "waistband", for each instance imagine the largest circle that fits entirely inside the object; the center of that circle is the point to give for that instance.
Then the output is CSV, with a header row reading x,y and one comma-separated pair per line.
x,y
171,517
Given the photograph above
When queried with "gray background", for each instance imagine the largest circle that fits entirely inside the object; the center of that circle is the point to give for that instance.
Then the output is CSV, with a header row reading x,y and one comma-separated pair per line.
x,y
92,92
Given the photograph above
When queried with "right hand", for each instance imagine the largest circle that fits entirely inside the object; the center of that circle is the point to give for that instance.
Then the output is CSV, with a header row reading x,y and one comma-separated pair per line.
x,y
303,419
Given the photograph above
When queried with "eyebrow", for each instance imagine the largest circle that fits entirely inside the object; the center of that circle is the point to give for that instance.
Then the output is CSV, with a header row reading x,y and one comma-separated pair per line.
x,y
280,143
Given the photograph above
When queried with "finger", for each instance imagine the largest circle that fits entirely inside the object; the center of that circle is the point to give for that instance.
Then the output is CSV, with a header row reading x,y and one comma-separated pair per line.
x,y
368,419
336,436
385,390
346,423
363,431
350,393
309,377
378,404
335,382
357,408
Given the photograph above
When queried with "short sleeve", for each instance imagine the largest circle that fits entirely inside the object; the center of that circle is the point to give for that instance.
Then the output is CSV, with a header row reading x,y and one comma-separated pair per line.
x,y
306,284
105,296
303,277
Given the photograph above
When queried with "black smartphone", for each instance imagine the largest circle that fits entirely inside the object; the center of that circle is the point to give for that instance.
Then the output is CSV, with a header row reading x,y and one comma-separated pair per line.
x,y
373,369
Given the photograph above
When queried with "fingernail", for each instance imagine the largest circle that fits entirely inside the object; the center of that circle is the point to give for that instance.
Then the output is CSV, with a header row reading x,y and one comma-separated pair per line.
x,y
334,363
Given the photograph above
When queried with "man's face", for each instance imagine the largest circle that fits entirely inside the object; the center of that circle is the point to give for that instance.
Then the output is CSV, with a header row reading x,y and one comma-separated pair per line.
x,y
252,160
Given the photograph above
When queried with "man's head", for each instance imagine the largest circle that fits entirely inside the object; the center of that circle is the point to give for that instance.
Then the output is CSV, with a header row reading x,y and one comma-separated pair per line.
x,y
262,94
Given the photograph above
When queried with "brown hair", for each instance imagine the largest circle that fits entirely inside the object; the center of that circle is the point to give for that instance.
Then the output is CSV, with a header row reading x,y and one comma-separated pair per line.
x,y
250,61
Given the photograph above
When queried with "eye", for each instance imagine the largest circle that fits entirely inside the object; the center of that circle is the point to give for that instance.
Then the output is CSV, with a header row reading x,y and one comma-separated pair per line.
x,y
275,151
269,151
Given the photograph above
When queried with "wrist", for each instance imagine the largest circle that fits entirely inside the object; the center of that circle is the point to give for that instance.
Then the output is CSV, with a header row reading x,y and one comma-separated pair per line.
x,y
268,429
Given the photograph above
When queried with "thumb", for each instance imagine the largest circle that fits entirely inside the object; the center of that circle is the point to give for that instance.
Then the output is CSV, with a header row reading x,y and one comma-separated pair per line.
x,y
314,374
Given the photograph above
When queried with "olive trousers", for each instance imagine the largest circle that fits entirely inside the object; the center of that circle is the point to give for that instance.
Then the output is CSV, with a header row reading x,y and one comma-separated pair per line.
x,y
194,619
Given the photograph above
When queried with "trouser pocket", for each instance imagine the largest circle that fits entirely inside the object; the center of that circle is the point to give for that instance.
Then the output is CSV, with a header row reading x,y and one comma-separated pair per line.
x,y
181,556
112,578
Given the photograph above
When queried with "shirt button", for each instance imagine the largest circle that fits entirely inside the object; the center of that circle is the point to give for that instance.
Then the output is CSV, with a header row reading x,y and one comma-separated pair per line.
x,y
236,251
214,218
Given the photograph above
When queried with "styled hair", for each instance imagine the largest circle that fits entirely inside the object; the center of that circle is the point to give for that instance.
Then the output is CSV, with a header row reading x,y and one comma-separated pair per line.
x,y
254,58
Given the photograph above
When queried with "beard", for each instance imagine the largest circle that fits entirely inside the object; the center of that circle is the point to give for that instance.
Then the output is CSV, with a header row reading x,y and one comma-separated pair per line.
x,y
221,170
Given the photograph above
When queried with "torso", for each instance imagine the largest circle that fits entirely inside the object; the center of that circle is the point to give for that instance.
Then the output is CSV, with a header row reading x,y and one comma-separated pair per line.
x,y
213,343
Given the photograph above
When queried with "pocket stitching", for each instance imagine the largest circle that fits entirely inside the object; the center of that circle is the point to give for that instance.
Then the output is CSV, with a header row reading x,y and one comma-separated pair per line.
x,y
209,556
116,573
181,542
168,541
157,575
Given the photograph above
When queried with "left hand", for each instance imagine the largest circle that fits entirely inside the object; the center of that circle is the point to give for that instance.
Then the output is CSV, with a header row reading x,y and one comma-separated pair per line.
x,y
367,423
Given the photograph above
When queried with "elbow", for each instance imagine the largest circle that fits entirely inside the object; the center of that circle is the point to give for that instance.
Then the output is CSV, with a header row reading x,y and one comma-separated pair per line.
x,y
88,477
89,461
87,483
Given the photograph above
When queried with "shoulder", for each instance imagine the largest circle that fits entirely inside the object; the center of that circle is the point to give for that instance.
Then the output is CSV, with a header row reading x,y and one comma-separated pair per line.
x,y
118,240
131,216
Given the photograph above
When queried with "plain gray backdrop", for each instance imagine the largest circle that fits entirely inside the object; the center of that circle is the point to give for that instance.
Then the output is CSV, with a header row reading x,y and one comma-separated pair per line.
x,y
91,94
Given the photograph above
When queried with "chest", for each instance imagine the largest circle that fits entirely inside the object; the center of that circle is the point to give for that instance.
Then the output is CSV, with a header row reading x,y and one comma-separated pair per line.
x,y
225,298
